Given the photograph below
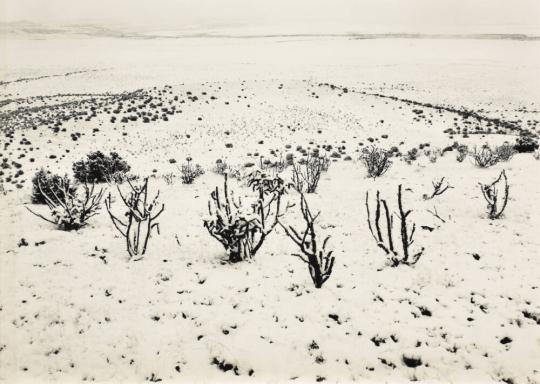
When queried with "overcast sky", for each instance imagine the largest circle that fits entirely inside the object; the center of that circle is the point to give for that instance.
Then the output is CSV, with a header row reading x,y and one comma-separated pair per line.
x,y
438,16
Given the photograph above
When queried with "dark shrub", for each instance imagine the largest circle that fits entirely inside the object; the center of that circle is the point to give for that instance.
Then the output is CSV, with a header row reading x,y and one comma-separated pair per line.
x,y
48,183
526,143
101,168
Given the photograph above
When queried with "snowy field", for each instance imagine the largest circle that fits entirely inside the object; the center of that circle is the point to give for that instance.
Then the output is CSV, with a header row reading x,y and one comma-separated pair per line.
x,y
73,307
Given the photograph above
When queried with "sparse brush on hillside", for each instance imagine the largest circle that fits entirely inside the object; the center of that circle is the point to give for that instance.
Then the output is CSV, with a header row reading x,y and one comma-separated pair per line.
x,y
496,195
189,171
382,229
277,166
70,210
100,168
376,160
307,172
320,261
242,229
47,182
138,222
485,156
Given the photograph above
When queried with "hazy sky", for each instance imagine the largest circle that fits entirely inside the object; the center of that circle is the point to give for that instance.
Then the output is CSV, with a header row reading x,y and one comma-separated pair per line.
x,y
350,15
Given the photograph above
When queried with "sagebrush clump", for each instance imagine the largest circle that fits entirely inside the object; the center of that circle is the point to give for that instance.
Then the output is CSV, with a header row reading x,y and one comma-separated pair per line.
x,y
189,171
485,156
307,172
376,160
101,168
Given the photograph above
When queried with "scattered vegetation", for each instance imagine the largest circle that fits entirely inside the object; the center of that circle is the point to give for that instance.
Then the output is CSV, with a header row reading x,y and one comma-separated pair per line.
x,y
400,254
319,260
496,195
70,210
376,160
100,168
139,219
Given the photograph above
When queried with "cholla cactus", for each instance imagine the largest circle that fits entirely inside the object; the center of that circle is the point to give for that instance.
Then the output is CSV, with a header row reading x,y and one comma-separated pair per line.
x,y
242,229
496,200
70,210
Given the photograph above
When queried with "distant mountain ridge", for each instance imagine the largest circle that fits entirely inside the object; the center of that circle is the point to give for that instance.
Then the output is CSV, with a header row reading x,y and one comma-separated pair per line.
x,y
30,29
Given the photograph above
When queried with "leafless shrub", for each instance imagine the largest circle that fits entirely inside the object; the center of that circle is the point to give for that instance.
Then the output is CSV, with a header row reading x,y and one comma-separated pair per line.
x,y
189,172
169,178
496,195
139,219
386,241
438,189
242,229
69,209
376,160
320,261
307,172
485,156
504,152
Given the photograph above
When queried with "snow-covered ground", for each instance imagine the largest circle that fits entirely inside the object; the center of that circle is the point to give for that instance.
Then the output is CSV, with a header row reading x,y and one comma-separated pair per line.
x,y
73,308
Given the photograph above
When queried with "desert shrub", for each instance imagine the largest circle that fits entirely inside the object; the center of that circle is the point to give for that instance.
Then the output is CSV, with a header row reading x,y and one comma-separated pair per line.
x,y
462,151
137,223
485,156
50,184
376,160
100,168
398,254
169,178
320,261
70,210
242,229
307,172
496,195
222,167
504,152
189,172
433,154
526,143
411,155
